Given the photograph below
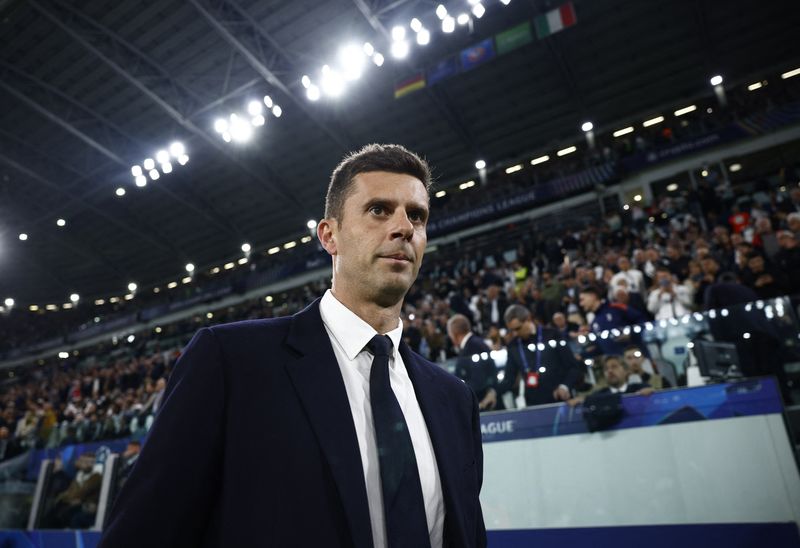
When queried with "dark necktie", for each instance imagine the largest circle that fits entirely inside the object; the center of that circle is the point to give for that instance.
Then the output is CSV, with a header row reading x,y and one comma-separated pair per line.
x,y
403,505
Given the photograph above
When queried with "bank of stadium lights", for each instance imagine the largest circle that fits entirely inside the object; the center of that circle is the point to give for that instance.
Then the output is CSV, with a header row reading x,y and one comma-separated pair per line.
x,y
163,160
540,160
790,74
351,63
756,85
513,169
238,127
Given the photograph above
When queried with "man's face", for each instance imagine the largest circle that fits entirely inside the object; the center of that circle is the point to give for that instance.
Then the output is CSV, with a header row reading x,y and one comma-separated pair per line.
x,y
492,292
615,373
634,359
756,264
793,222
559,320
378,244
588,301
787,240
623,263
520,329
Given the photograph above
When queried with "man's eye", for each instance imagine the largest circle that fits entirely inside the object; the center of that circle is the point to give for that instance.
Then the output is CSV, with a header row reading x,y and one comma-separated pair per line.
x,y
377,210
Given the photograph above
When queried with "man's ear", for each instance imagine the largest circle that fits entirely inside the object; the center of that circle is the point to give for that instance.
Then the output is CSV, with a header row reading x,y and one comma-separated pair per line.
x,y
326,232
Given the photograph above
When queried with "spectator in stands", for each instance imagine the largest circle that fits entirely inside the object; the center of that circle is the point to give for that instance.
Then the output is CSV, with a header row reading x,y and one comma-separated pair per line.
x,y
668,299
547,368
127,460
9,447
633,278
787,260
474,365
76,506
793,223
494,305
616,372
605,316
763,279
639,365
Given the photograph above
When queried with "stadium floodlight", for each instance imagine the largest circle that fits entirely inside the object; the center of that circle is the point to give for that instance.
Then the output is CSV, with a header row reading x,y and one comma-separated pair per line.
x,y
754,86
441,12
162,156
246,247
121,191
416,25
480,164
735,167
258,121
305,80
141,181
290,245
653,121
311,224
369,49
478,10
448,24
505,2
166,167
136,170
149,164
277,111
352,60
240,130
623,131
462,19
23,236
790,74
254,108
399,49
312,93
540,160
441,194
154,174
176,149
332,83
716,80
424,37
685,110
565,151
398,33
74,297
226,137
9,302
132,287
61,222
273,250
377,59
465,186
221,125
587,126
672,187
189,267
513,169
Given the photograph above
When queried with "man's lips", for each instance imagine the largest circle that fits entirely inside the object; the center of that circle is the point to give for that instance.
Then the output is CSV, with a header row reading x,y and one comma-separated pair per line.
x,y
397,257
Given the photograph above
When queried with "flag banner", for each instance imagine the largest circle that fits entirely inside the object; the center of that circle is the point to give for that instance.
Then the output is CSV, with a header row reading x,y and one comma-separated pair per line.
x,y
513,38
409,85
478,54
555,20
444,69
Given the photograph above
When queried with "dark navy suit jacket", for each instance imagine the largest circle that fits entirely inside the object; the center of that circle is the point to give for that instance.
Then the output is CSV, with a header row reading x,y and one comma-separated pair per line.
x,y
255,445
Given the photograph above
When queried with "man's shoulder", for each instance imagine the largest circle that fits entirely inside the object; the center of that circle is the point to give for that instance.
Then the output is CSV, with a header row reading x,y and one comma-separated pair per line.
x,y
475,343
447,380
263,329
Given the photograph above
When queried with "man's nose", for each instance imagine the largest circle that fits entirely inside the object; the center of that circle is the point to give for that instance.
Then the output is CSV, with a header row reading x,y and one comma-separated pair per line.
x,y
403,227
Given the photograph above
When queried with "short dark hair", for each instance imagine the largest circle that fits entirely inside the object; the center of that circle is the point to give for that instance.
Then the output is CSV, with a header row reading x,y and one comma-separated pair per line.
x,y
374,157
517,312
591,289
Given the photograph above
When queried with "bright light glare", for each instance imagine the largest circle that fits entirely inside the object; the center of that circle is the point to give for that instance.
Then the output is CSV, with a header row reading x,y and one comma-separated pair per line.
x,y
540,160
513,169
377,59
480,164
154,174
735,167
478,10
74,297
653,121
416,25
623,131
136,171
120,192
183,160
441,12
399,49
587,126
132,287
369,49
23,236
332,83
311,224
61,222
258,121
462,19
246,248
505,2
162,156
305,80
312,93
791,73
754,86
565,151
221,125
398,33
176,149
241,131
423,37
268,99
672,187
189,267
277,111
352,60
254,108
685,110
166,167
716,80
141,181
448,24
149,164
9,302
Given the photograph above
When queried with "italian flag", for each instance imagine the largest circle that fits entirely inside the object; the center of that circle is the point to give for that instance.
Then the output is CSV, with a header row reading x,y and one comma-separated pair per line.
x,y
555,20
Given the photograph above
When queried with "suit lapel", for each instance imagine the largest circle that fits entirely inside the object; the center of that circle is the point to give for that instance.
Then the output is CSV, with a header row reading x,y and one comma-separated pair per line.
x,y
318,382
438,417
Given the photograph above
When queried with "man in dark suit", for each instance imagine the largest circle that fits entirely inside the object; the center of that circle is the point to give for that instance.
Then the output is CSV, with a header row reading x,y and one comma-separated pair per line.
x,y
320,429
474,365
616,372
540,358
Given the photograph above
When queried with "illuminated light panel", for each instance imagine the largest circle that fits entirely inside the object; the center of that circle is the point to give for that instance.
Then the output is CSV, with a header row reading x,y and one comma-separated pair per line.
x,y
716,80
790,74
468,184
685,110
623,131
513,169
228,266
273,250
653,121
441,194
735,167
672,187
186,280
172,285
243,260
305,239
540,160
289,245
565,151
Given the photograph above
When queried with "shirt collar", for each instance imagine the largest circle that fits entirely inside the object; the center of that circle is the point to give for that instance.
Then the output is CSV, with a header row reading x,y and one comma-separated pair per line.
x,y
464,340
349,330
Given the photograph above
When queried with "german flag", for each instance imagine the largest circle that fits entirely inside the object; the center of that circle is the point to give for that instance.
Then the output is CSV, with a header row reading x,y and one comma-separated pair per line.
x,y
410,84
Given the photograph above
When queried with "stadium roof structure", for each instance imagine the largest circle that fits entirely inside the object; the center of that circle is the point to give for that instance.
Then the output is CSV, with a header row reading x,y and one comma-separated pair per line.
x,y
89,89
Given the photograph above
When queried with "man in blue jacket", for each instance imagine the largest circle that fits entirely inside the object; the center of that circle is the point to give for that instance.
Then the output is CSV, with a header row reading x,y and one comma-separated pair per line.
x,y
320,429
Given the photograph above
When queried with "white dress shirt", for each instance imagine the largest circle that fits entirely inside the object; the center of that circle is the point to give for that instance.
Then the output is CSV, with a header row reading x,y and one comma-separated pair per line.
x,y
349,336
